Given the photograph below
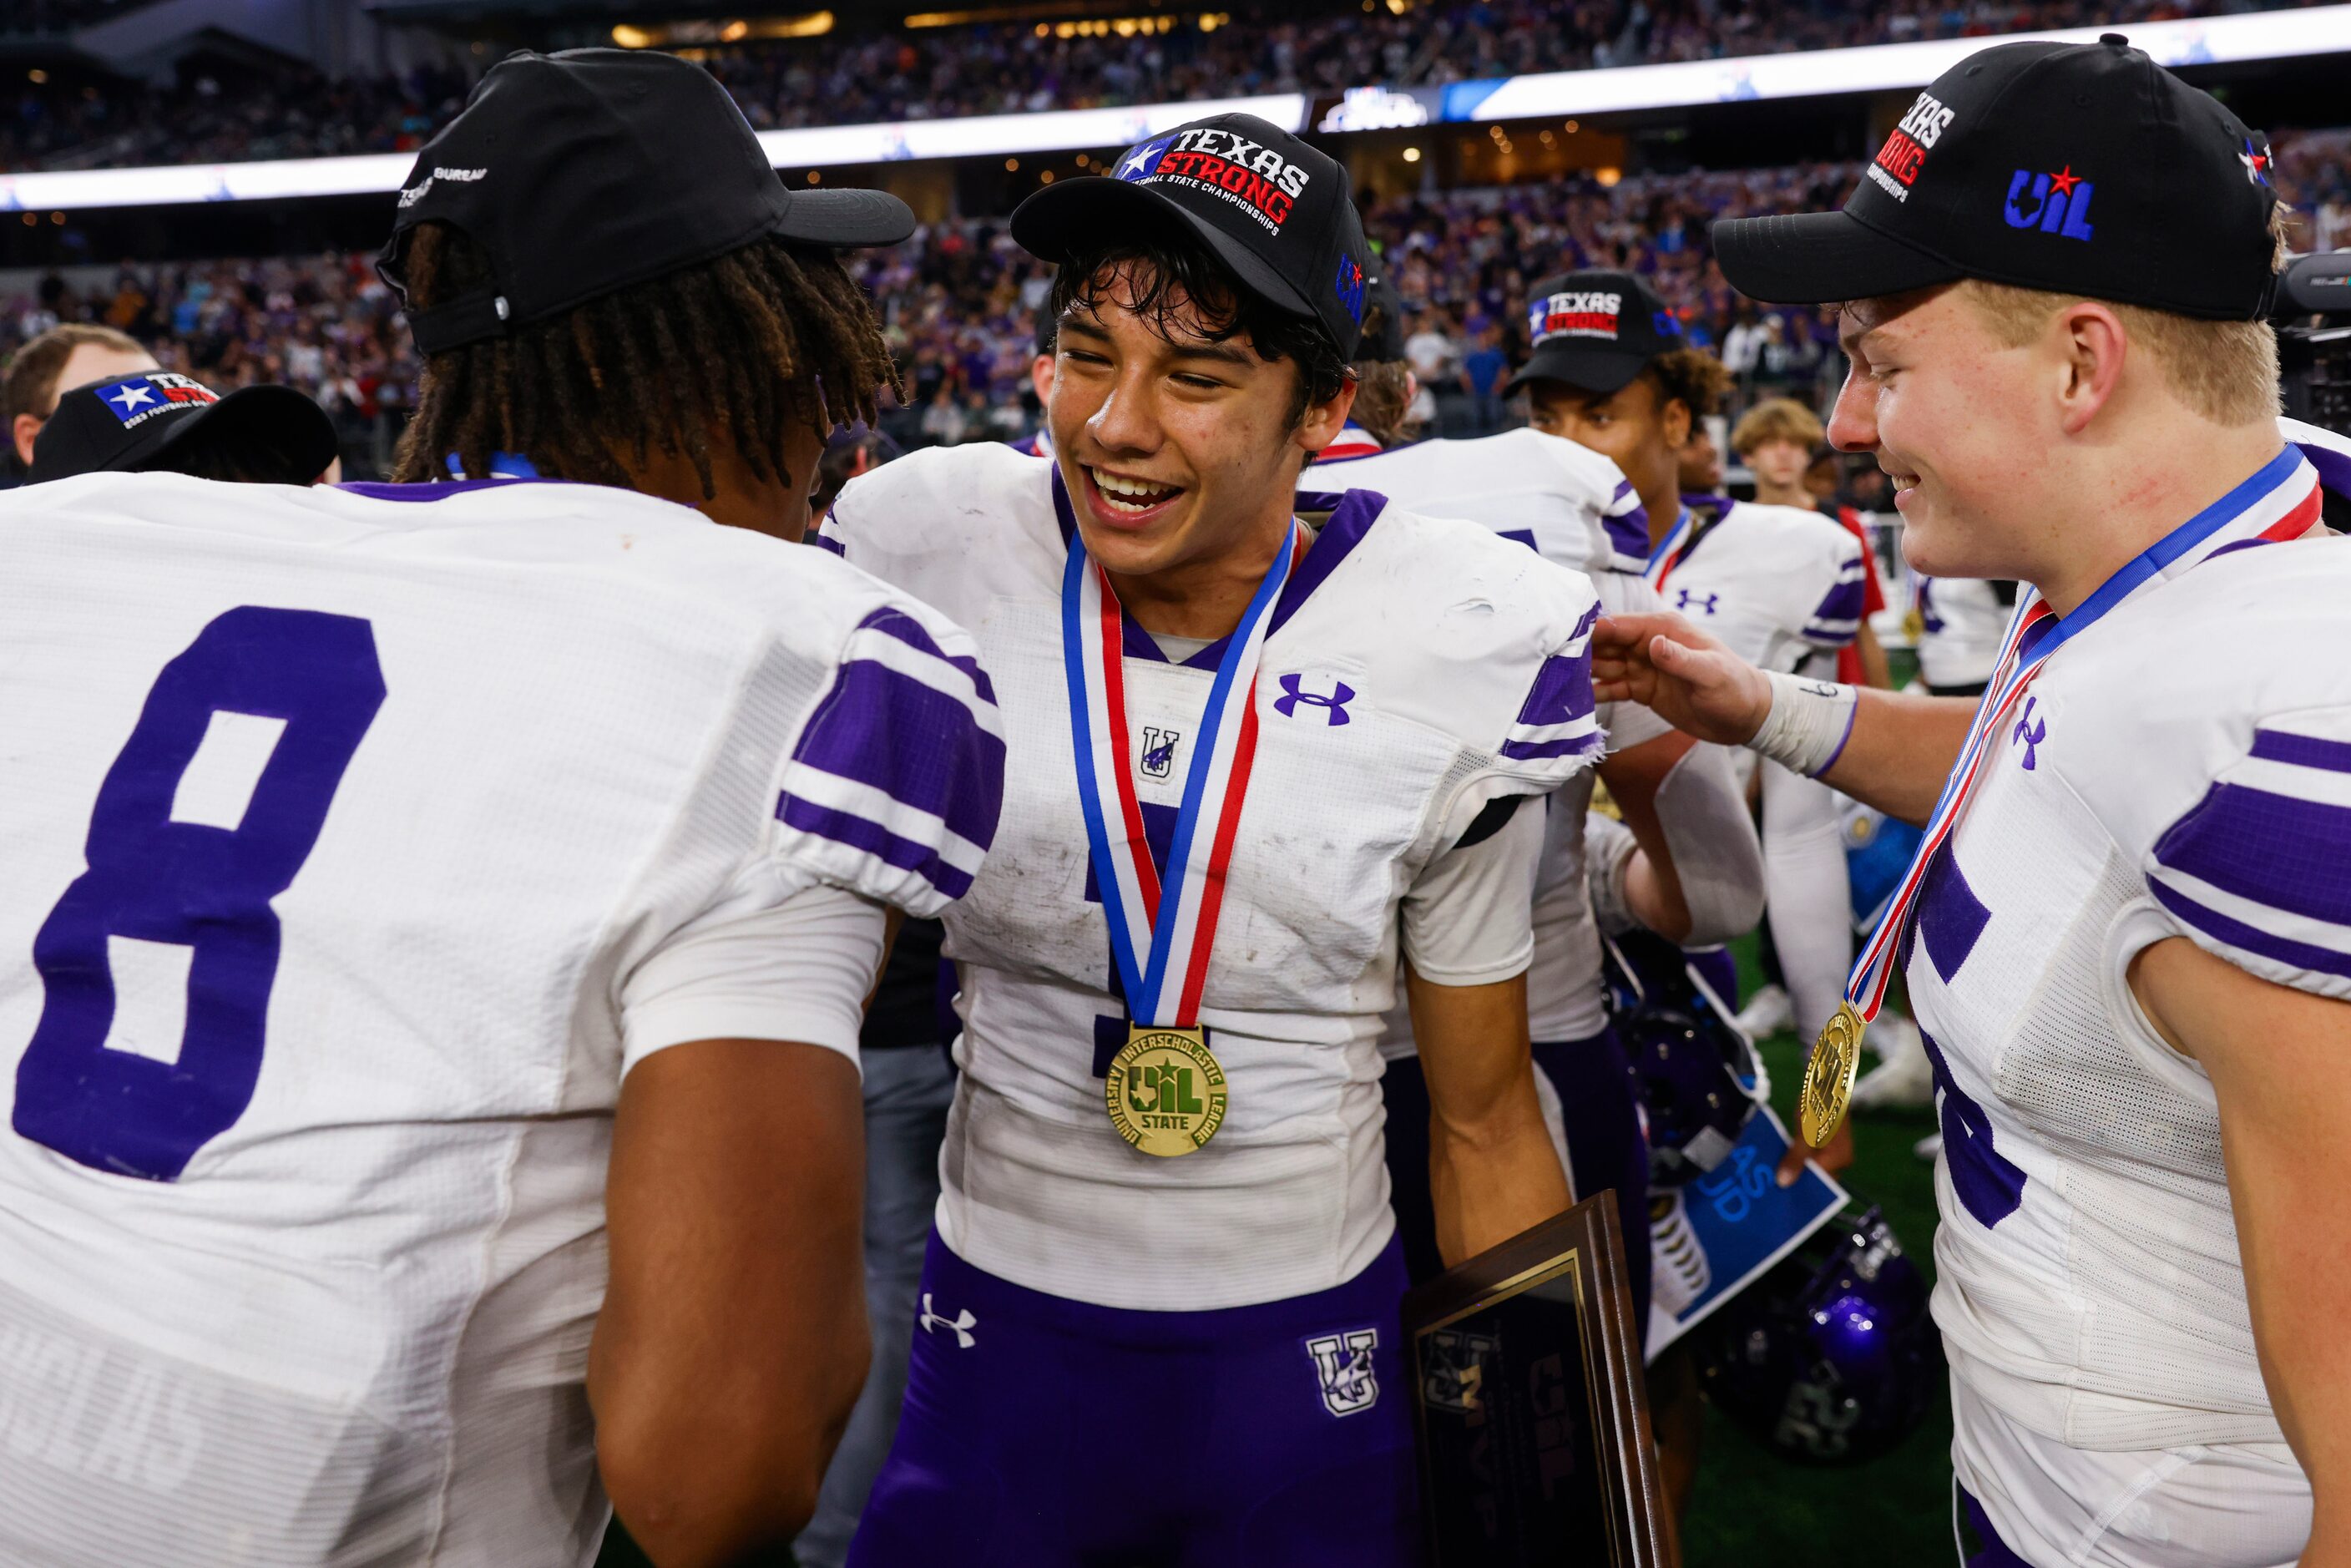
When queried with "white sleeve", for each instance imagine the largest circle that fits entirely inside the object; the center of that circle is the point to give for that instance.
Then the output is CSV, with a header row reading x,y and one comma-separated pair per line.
x,y
1627,724
1468,920
756,965
1810,892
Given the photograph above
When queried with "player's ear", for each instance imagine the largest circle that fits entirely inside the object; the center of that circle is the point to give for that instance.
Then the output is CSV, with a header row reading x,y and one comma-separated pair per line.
x,y
2090,346
1321,423
1673,419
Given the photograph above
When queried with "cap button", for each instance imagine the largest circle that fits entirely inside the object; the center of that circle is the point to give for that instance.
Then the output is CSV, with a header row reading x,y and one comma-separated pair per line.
x,y
2113,40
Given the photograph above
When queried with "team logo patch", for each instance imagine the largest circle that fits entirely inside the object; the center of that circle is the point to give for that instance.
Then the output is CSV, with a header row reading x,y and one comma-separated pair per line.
x,y
137,399
1704,601
1226,165
2055,203
963,1322
1896,165
1592,313
1335,706
1159,751
1342,1364
2256,161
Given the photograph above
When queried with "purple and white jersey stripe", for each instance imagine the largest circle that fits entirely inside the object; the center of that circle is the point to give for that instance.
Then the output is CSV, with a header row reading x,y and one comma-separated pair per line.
x,y
2260,867
1627,523
897,783
1558,719
1836,621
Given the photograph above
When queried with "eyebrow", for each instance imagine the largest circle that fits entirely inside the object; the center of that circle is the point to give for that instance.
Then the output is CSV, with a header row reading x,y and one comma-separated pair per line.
x,y
1219,354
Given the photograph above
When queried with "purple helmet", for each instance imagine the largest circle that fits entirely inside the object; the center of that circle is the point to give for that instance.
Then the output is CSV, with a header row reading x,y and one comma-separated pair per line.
x,y
1695,1076
1830,1358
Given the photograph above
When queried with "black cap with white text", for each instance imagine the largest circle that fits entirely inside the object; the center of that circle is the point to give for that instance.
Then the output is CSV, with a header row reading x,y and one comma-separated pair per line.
x,y
1594,331
1275,211
2079,169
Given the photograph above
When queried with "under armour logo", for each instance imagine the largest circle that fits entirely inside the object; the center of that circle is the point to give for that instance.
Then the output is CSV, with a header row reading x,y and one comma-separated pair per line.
x,y
1342,694
2030,732
1705,602
963,1322
1159,751
1343,1364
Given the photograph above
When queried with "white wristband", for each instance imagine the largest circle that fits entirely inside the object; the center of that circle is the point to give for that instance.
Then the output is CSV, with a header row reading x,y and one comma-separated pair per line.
x,y
1808,724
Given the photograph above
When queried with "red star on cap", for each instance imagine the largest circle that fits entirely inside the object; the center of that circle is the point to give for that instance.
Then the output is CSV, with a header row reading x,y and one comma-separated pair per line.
x,y
2063,185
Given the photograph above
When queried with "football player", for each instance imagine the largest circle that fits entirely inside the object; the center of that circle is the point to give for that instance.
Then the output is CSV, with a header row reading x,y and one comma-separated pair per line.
x,y
448,906
1255,763
1609,369
2125,936
1688,868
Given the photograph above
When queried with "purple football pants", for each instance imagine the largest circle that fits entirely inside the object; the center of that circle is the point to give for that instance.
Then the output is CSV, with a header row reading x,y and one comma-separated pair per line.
x,y
1605,1146
1040,1432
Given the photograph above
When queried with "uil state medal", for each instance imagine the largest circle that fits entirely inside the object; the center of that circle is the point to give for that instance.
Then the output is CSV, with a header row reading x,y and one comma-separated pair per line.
x,y
1165,1090
1828,1076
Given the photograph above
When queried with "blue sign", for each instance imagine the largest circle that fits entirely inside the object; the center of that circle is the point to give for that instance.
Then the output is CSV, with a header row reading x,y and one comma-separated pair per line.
x,y
1712,1238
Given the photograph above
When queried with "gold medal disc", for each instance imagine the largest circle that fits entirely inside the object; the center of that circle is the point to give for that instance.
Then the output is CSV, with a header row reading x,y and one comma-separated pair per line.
x,y
1828,1077
1166,1090
1914,626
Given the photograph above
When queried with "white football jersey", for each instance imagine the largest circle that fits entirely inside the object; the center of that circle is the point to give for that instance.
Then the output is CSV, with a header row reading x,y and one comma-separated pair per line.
x,y
1575,508
1781,587
1961,620
2089,1279
1414,671
340,828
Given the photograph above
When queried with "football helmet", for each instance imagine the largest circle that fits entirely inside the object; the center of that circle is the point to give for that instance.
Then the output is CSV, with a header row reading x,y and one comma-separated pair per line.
x,y
1832,1357
1695,1076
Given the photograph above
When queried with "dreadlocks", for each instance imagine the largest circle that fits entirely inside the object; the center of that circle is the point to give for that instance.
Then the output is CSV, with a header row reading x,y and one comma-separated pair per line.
x,y
752,344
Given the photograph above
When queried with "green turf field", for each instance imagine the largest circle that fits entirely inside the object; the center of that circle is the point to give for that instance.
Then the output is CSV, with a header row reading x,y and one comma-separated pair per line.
x,y
1753,1510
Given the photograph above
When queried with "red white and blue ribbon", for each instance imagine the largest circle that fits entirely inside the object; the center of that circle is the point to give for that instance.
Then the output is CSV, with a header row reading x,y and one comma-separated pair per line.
x,y
2280,502
1161,936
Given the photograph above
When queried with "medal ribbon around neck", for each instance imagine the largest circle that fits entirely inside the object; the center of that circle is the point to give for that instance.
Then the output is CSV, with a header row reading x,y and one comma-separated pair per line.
x,y
2278,502
1161,937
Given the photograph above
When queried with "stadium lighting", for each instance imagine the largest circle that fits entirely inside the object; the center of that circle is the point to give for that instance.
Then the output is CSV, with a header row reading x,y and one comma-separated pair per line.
x,y
2256,35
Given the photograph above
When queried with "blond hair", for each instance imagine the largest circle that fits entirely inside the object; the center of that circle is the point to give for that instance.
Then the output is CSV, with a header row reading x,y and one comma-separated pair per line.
x,y
2226,372
1776,419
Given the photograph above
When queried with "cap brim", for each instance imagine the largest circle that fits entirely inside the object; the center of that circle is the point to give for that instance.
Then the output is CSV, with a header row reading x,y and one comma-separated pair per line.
x,y
1049,224
274,424
1815,258
1584,366
849,218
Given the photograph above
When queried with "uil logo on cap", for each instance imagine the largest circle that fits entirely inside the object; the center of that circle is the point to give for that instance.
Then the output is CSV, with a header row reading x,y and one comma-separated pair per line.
x,y
2256,161
2055,203
1591,314
142,397
1352,284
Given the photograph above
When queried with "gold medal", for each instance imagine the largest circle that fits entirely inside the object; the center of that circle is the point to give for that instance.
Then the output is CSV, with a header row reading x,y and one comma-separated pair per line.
x,y
1166,1090
1828,1077
1914,626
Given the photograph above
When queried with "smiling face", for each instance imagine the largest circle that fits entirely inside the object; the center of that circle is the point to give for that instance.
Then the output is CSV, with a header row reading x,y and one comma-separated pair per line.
x,y
1956,419
1181,453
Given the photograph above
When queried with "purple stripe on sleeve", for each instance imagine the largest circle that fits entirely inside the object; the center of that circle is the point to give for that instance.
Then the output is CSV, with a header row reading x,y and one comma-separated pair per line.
x,y
914,743
1843,603
826,542
2278,851
845,828
1628,530
1522,535
908,630
1541,750
1561,691
2252,939
2302,750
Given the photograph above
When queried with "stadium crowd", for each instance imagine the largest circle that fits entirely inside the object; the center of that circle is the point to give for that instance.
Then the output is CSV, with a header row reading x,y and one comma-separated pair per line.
x,y
852,76
959,300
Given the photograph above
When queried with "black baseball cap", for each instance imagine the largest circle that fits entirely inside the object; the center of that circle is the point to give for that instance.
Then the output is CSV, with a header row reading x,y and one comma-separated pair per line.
x,y
2072,168
585,171
1595,330
1383,319
157,420
1273,209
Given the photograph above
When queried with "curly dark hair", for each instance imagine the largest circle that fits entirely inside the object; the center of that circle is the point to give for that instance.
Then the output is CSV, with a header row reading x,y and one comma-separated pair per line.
x,y
751,344
1693,375
1175,277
